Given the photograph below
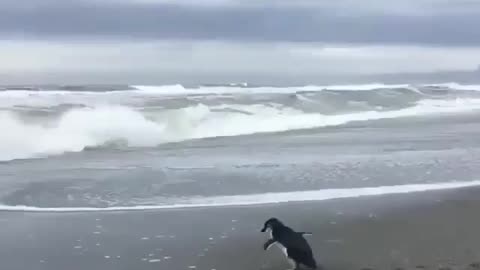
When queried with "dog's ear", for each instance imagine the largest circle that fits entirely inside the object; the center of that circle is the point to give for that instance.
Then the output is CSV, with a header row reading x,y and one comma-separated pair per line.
x,y
268,223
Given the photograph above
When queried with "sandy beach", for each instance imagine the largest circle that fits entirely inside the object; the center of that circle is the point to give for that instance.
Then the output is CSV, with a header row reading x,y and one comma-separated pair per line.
x,y
428,230
162,134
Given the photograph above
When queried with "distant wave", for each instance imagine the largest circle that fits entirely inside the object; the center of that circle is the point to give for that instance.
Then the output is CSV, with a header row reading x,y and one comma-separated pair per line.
x,y
457,86
259,199
243,88
179,89
233,88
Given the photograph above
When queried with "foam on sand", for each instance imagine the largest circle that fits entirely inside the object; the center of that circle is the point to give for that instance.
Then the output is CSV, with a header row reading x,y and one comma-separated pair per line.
x,y
264,198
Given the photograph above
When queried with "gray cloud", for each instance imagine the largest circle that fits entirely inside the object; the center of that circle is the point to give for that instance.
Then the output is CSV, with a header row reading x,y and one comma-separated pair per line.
x,y
424,22
232,57
280,41
159,62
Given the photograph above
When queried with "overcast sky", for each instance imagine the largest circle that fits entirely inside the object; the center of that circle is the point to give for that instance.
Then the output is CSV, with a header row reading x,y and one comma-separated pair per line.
x,y
178,38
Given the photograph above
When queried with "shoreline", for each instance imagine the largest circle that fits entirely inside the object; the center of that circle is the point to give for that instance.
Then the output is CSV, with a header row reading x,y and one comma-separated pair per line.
x,y
272,199
430,229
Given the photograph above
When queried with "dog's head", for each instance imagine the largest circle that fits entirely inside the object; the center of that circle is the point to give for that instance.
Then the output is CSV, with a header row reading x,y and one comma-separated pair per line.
x,y
271,223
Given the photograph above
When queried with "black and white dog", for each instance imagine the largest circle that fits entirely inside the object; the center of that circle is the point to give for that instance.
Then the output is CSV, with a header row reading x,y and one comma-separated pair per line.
x,y
295,247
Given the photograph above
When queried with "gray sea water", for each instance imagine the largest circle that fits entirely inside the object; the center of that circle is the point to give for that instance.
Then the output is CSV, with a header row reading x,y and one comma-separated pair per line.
x,y
132,146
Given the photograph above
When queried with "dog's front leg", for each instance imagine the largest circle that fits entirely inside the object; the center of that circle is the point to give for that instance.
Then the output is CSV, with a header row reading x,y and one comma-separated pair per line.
x,y
268,244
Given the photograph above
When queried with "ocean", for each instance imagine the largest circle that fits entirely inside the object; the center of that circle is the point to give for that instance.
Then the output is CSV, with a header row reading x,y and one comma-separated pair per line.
x,y
133,147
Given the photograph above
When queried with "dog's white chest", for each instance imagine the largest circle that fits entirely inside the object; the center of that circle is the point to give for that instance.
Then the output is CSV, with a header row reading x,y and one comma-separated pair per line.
x,y
279,245
284,249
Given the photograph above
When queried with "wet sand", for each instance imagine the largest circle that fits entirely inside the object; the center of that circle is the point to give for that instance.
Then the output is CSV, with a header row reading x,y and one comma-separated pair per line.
x,y
432,230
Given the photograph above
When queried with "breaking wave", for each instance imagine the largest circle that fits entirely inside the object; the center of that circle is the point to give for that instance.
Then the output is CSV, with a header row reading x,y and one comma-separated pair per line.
x,y
178,89
78,128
